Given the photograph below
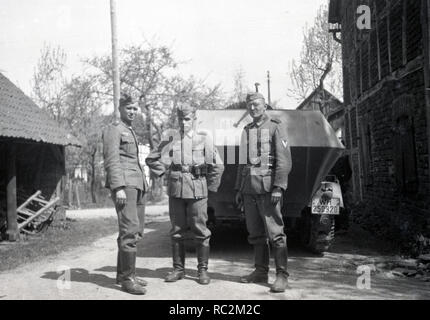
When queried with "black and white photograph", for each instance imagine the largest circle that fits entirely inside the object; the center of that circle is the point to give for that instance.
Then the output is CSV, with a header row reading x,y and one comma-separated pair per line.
x,y
214,156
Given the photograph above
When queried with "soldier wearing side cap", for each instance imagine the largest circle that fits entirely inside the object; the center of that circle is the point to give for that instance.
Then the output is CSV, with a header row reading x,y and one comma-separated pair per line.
x,y
192,168
126,180
260,186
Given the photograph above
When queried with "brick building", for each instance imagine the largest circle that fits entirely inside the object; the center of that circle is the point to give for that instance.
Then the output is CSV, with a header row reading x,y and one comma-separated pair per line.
x,y
387,112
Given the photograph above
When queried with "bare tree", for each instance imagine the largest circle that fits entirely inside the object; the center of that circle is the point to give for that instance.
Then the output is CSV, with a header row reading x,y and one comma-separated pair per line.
x,y
75,104
149,73
49,81
320,62
83,115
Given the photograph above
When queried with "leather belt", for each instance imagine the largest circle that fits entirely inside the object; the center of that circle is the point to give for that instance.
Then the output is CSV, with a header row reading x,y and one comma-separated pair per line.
x,y
182,168
196,170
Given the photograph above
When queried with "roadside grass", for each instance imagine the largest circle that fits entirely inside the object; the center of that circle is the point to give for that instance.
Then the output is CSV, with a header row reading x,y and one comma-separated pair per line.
x,y
62,235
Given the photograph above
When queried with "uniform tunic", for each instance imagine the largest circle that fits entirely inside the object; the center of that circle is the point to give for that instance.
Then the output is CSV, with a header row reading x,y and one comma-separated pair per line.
x,y
264,146
188,193
123,171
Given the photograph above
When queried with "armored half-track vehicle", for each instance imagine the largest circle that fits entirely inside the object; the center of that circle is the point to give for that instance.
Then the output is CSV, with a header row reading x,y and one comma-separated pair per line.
x,y
312,199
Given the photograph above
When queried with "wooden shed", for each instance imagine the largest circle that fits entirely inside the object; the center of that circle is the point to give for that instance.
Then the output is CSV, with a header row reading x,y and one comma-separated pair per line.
x,y
32,154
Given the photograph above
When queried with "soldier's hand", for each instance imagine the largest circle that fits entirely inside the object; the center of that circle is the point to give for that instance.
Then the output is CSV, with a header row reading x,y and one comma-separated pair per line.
x,y
121,197
238,199
276,196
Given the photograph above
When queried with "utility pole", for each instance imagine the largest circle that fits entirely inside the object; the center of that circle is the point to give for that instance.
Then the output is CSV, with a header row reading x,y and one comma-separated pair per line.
x,y
115,62
425,21
268,88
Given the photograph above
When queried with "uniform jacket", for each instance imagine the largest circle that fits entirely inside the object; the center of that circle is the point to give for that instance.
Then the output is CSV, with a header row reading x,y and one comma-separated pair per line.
x,y
196,148
264,147
121,158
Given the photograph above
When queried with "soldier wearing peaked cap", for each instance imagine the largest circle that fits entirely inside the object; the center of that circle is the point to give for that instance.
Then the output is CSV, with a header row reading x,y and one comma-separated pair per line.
x,y
126,180
193,169
254,96
260,186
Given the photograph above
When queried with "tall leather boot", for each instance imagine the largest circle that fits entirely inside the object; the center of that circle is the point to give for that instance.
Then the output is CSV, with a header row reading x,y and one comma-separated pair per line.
x,y
281,260
202,266
119,272
261,258
127,275
118,268
178,255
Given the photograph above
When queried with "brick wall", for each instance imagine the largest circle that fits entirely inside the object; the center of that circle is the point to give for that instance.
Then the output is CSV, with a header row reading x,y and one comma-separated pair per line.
x,y
384,88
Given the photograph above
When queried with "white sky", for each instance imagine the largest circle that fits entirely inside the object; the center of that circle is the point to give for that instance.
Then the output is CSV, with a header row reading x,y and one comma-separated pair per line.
x,y
216,37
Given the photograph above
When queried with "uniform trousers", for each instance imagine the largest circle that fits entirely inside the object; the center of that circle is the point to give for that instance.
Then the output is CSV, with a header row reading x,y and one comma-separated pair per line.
x,y
264,220
189,215
131,219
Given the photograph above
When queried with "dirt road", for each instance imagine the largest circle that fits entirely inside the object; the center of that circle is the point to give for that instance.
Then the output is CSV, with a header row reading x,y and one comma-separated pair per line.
x,y
92,271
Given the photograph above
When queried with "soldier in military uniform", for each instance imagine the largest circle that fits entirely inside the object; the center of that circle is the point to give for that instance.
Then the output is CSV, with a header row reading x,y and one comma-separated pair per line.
x,y
126,180
193,168
260,185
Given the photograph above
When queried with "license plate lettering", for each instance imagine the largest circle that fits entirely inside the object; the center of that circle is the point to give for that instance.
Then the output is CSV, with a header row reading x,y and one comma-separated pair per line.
x,y
330,207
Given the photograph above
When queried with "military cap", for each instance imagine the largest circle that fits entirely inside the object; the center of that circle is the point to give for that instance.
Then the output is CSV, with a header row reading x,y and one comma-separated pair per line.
x,y
185,110
254,96
125,100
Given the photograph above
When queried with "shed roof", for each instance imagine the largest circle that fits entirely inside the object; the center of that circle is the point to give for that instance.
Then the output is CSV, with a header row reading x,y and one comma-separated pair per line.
x,y
318,90
21,118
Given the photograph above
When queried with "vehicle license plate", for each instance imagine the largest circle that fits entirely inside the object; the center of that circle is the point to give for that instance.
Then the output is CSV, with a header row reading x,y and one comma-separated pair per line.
x,y
326,207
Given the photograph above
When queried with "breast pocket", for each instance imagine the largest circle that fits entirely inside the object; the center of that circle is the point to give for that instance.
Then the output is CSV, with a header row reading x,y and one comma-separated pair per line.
x,y
198,155
176,153
265,141
128,144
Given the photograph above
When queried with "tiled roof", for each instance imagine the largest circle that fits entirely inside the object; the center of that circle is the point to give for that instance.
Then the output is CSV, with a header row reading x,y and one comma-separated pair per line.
x,y
21,118
315,92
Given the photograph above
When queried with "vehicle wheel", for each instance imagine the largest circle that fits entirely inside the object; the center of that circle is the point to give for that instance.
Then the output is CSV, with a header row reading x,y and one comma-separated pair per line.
x,y
316,231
